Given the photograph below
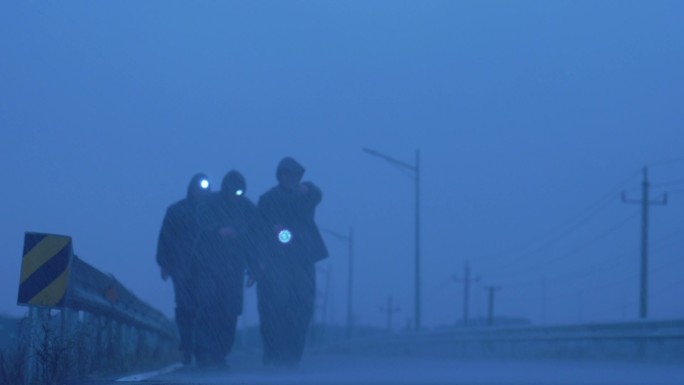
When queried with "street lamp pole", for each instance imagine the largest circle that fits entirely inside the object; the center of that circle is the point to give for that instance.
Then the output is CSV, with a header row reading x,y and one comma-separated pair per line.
x,y
414,169
350,276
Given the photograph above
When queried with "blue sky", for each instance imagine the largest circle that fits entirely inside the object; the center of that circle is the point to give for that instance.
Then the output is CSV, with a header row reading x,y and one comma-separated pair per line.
x,y
528,114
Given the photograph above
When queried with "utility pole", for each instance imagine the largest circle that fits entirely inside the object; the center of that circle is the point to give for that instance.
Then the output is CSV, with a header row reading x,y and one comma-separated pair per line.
x,y
492,290
389,310
645,203
414,169
466,290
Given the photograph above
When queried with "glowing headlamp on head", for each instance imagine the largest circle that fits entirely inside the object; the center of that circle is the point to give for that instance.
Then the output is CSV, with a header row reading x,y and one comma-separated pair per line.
x,y
204,183
239,192
284,236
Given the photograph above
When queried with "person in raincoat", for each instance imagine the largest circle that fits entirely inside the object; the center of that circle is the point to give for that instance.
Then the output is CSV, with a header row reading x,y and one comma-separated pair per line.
x,y
222,269
177,257
289,246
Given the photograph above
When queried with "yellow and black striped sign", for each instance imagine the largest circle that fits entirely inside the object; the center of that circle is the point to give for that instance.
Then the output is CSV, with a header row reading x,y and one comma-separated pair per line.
x,y
45,270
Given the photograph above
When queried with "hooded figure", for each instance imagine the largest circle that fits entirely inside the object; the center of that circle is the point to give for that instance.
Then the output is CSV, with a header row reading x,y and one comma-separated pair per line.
x,y
177,256
289,246
222,269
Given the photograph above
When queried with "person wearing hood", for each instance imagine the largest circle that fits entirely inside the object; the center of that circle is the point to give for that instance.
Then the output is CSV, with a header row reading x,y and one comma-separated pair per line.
x,y
290,244
222,269
177,256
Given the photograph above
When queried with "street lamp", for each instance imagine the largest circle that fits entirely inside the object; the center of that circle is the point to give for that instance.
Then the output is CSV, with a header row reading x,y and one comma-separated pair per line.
x,y
350,242
414,170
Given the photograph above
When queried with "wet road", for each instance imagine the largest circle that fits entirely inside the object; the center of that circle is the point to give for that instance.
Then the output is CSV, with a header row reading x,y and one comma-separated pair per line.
x,y
345,370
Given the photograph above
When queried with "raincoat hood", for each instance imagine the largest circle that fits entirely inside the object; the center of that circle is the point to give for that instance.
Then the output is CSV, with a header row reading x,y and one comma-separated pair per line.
x,y
288,164
232,182
194,188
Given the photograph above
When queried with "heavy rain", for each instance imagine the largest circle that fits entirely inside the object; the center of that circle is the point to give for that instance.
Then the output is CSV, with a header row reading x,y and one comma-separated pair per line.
x,y
493,192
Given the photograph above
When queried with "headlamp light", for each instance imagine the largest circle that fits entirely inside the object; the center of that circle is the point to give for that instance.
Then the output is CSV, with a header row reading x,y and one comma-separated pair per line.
x,y
239,192
204,184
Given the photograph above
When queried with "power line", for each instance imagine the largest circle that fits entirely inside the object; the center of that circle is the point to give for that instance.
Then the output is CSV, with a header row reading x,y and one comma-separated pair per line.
x,y
667,288
575,250
604,286
656,245
601,285
577,221
659,266
610,262
666,162
570,225
644,211
659,244
668,183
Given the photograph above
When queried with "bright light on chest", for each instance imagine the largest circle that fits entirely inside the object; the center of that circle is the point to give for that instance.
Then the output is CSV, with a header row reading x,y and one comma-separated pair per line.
x,y
284,236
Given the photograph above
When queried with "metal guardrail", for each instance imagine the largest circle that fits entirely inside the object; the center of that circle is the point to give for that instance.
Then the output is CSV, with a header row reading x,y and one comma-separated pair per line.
x,y
101,294
625,340
622,330
102,326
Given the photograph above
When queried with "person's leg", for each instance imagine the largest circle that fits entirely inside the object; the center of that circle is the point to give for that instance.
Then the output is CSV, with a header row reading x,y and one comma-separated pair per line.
x,y
225,325
267,322
204,336
305,291
185,316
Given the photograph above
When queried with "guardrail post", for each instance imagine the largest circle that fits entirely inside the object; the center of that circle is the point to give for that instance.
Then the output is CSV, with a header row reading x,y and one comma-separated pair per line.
x,y
101,339
37,318
69,324
117,329
113,342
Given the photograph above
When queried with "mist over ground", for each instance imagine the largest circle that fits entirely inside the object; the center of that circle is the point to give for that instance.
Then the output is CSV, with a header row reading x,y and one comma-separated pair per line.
x,y
360,370
531,119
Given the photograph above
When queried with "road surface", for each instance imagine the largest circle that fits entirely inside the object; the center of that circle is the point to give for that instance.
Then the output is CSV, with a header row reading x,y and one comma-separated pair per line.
x,y
346,370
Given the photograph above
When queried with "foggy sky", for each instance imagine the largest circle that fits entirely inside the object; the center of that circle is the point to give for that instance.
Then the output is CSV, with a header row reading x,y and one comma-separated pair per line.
x,y
529,116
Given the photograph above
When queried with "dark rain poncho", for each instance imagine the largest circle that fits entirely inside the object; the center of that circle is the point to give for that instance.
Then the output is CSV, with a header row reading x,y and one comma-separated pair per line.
x,y
285,272
177,253
221,269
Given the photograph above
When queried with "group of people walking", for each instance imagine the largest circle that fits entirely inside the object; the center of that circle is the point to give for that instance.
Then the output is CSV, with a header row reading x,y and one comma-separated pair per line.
x,y
208,243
